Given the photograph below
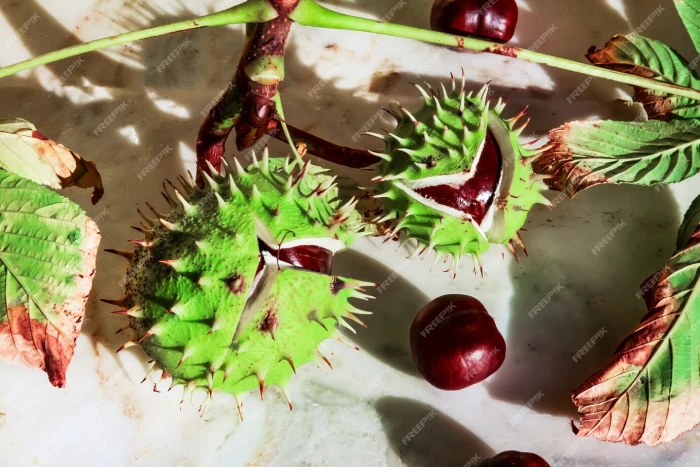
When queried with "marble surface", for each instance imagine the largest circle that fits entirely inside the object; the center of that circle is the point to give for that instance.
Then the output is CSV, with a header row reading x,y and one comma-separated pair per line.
x,y
359,413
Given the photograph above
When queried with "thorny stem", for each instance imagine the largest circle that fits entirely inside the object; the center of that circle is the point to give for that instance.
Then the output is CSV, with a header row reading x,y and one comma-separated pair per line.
x,y
251,11
310,13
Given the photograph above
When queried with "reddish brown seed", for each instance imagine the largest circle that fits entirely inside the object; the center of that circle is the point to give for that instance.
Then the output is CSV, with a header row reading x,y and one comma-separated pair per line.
x,y
487,19
455,342
476,195
515,459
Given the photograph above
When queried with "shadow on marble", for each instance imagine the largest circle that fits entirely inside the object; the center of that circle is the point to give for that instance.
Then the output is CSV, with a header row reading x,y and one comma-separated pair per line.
x,y
591,291
423,436
387,333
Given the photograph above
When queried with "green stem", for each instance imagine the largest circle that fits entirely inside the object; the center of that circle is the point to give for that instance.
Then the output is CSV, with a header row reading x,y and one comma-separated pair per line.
x,y
283,122
251,11
310,13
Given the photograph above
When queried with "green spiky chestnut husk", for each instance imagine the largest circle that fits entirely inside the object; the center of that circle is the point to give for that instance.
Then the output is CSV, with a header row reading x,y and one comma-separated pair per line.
x,y
442,145
192,295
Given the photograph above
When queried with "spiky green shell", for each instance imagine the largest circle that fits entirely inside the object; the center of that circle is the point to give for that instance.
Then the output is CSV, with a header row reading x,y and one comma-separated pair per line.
x,y
440,143
297,201
189,289
442,138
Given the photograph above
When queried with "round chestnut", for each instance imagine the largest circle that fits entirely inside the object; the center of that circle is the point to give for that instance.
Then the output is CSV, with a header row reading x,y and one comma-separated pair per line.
x,y
455,342
494,20
515,459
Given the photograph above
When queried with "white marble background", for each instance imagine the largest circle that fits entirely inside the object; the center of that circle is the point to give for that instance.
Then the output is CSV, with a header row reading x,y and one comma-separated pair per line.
x,y
358,413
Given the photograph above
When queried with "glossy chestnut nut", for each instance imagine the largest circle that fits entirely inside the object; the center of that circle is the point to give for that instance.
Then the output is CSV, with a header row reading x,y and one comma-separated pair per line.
x,y
515,459
494,20
455,342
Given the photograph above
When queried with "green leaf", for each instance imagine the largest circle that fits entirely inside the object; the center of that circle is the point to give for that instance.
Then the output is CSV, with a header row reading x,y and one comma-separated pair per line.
x,y
650,391
650,58
47,261
26,152
583,154
690,14
690,220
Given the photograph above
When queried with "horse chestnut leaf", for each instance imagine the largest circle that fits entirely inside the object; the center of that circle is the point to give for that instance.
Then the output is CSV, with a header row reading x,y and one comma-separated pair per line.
x,y
487,19
515,459
455,342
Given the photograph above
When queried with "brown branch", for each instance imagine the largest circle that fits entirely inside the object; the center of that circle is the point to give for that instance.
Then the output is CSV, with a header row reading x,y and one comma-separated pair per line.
x,y
331,152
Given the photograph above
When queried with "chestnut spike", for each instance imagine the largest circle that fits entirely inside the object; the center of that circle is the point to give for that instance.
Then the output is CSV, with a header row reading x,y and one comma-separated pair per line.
x,y
291,363
239,406
142,243
408,114
427,98
240,171
285,391
265,168
171,202
255,160
520,129
141,229
355,319
126,345
120,330
185,185
314,316
380,155
521,244
219,200
261,385
120,302
212,170
376,135
128,255
324,358
189,209
444,91
168,225
168,262
511,248
343,323
149,222
210,181
150,371
134,312
157,213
